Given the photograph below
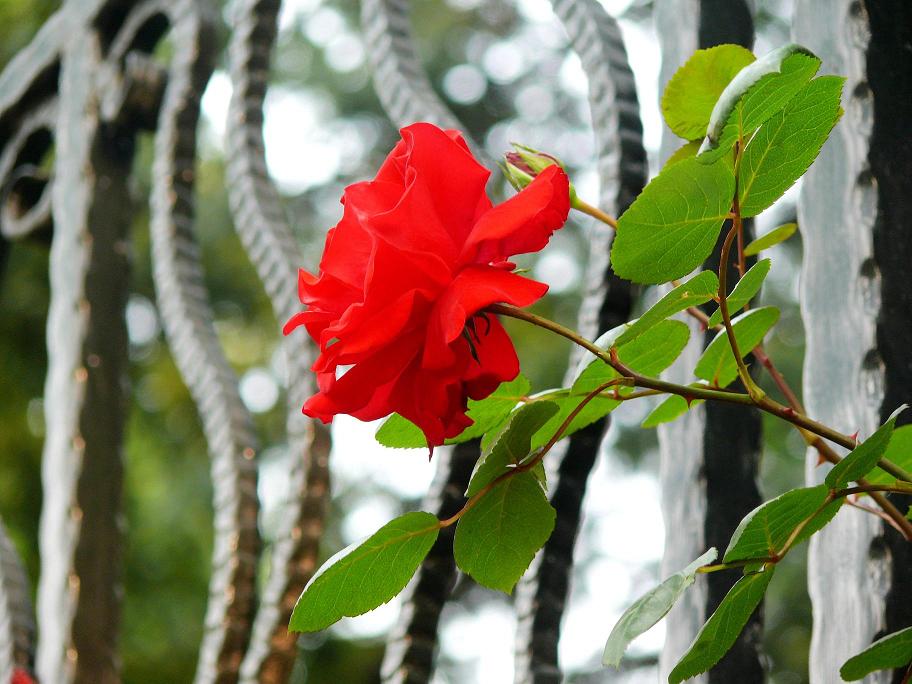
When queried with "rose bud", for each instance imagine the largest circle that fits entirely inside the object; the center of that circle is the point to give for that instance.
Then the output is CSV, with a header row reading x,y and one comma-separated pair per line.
x,y
525,163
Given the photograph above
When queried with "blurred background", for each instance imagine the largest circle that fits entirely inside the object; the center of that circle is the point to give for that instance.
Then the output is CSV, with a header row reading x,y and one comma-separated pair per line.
x,y
504,69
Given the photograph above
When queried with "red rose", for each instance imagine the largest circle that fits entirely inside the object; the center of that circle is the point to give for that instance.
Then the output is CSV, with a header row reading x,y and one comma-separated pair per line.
x,y
419,252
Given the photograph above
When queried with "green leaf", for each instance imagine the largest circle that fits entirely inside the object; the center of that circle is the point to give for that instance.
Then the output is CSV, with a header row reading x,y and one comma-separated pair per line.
x,y
723,627
672,408
862,459
745,290
892,651
718,363
650,608
648,354
698,290
513,444
401,433
758,91
686,151
497,539
774,237
672,227
593,411
692,92
363,576
899,451
765,530
787,144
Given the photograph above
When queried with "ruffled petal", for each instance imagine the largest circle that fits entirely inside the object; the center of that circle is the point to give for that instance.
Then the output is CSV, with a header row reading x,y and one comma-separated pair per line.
x,y
363,390
454,179
524,223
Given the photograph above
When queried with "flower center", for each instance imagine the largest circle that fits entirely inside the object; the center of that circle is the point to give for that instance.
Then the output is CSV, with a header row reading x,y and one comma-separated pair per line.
x,y
470,332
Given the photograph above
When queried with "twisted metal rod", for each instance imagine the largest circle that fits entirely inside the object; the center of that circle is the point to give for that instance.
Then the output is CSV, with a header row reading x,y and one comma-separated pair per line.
x,y
267,238
17,621
188,323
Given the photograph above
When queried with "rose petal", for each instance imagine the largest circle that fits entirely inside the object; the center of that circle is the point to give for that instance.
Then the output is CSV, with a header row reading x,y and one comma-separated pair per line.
x,y
524,223
454,179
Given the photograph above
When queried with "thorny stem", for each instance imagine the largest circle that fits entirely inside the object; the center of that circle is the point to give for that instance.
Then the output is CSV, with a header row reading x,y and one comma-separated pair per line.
x,y
810,430
876,512
737,223
535,460
897,487
777,377
896,517
755,392
690,393
777,556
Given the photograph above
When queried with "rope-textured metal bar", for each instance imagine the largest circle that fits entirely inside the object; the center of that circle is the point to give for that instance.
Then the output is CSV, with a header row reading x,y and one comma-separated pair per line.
x,y
17,621
400,80
266,235
79,593
188,324
621,160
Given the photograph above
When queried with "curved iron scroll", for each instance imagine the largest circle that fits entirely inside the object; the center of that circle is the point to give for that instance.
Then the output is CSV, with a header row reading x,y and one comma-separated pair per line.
x,y
264,231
